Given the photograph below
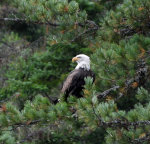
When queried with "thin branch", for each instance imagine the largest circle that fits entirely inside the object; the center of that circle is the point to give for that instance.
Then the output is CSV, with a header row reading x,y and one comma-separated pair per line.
x,y
5,43
52,100
34,135
91,24
92,27
106,92
126,124
27,21
99,118
24,124
15,126
83,33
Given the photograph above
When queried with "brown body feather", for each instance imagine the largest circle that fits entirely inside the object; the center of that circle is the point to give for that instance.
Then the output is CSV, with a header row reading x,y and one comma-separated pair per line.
x,y
74,83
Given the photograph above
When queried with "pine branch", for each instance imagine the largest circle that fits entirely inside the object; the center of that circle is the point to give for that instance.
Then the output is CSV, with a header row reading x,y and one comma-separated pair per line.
x,y
44,133
7,99
37,134
15,126
24,20
52,100
125,124
5,43
106,92
83,33
122,124
142,139
24,124
127,31
92,27
91,24
115,123
140,77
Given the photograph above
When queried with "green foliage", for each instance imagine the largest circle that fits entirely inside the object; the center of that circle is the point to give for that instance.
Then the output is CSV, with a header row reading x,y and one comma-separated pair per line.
x,y
114,63
97,10
119,48
11,37
51,10
142,95
40,72
129,18
7,138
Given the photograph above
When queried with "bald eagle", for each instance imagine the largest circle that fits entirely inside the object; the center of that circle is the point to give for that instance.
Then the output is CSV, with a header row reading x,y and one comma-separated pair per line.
x,y
74,83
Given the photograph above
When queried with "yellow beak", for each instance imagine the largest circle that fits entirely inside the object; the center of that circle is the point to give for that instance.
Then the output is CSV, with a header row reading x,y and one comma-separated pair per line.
x,y
75,59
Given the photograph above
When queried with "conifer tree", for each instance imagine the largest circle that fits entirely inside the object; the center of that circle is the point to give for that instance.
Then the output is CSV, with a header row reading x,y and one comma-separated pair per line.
x,y
115,109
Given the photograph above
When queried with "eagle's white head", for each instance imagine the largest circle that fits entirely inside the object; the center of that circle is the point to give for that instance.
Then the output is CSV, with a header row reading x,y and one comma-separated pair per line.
x,y
83,61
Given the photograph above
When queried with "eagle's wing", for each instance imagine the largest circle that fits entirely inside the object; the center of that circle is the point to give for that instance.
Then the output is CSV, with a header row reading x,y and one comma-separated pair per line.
x,y
74,82
71,80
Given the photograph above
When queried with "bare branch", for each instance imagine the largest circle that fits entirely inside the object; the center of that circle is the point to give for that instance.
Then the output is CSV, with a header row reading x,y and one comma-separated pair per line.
x,y
106,92
126,124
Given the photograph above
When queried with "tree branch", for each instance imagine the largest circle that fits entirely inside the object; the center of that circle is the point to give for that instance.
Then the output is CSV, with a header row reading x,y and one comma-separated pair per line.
x,y
92,26
140,77
126,124
24,124
106,92
33,22
83,33
142,139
